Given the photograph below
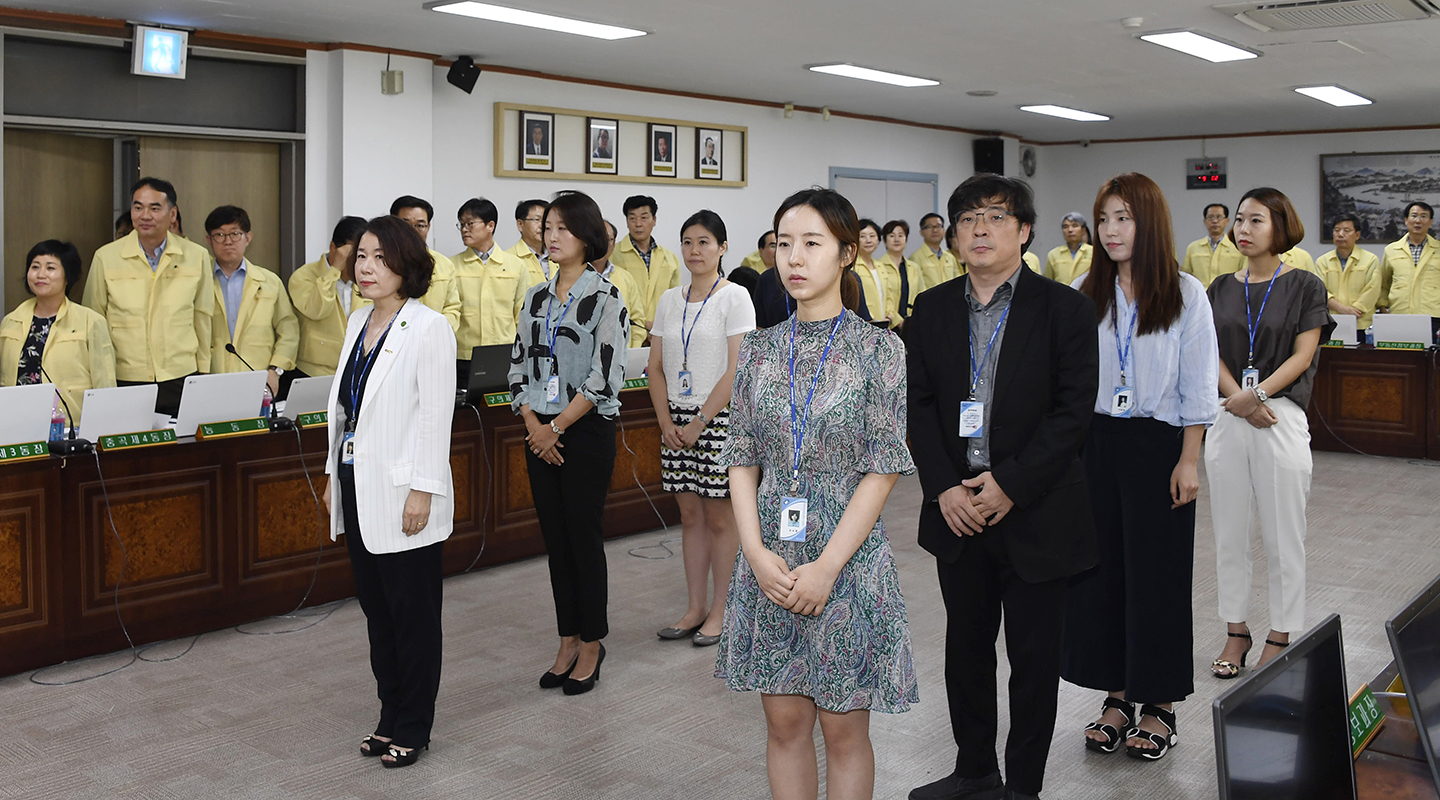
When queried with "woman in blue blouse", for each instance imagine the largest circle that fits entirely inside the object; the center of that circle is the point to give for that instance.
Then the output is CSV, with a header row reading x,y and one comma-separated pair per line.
x,y
1128,620
566,372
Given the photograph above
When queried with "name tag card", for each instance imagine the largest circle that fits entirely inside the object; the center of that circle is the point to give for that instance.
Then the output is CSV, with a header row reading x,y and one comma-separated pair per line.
x,y
317,419
233,428
133,441
637,383
1366,718
14,453
495,399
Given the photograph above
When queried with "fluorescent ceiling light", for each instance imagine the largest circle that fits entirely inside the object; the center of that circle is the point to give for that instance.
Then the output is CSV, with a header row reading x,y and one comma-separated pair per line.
x,y
1066,113
531,19
1334,95
867,74
1200,46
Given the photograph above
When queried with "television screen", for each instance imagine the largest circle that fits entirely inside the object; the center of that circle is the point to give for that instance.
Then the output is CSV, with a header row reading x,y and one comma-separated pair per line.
x,y
1415,639
1284,732
160,52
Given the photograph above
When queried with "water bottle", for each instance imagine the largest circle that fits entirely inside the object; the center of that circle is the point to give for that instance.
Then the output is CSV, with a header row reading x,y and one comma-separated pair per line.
x,y
57,422
266,401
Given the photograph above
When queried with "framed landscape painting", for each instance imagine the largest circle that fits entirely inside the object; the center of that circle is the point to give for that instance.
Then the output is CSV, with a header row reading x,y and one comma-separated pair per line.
x,y
1375,188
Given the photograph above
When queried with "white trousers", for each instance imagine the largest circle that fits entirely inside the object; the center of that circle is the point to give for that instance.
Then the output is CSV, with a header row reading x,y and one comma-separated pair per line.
x,y
1267,471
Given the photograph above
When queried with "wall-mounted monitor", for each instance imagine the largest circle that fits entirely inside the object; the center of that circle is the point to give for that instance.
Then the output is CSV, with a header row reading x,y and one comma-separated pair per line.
x,y
160,52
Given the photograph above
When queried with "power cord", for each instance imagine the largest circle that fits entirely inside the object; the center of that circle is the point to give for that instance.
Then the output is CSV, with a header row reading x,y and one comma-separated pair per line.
x,y
489,489
664,543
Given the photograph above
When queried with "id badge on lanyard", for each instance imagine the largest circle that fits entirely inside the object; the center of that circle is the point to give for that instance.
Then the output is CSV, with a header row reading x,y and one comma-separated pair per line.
x,y
347,448
1122,402
1249,378
794,518
552,385
972,419
686,385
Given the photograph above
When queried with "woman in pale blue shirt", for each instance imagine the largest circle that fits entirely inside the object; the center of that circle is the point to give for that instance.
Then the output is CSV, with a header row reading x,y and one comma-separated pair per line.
x,y
1128,620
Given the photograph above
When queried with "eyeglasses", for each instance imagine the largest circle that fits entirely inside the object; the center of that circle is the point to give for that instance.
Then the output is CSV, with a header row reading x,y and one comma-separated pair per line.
x,y
994,218
1213,218
534,219
230,238
1417,216
420,226
465,226
934,226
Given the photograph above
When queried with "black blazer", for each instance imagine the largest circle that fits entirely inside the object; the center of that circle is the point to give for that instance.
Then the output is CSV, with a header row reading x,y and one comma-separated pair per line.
x,y
1044,396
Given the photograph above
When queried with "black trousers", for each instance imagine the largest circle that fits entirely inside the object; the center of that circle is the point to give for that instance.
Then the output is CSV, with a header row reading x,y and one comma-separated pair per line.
x,y
1128,621
400,594
976,589
570,501
167,396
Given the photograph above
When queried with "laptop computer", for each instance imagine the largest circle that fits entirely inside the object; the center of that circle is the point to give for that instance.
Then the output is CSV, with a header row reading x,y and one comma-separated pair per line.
x,y
636,360
27,413
121,409
219,398
489,372
308,395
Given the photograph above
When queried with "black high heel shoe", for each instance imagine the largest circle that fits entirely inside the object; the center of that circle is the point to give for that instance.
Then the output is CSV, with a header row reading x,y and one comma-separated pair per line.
x,y
573,686
402,759
552,681
1226,670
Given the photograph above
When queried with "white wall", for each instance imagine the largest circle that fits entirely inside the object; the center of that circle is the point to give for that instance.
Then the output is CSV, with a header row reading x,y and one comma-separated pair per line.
x,y
1068,176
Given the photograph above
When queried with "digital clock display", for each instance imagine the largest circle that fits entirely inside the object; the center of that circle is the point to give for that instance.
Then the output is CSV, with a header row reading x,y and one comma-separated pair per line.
x,y
1205,173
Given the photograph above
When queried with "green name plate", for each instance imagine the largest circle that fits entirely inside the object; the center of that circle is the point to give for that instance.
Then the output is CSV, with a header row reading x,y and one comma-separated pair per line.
x,y
1334,343
12,453
1365,719
497,399
313,420
130,441
235,427
637,383
1400,345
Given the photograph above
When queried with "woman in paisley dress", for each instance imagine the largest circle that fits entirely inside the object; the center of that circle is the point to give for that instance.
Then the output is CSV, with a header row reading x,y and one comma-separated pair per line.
x,y
816,622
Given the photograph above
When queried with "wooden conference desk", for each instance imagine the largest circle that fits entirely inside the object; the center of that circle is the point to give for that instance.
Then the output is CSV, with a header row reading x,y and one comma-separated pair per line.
x,y
225,531
1393,766
1383,402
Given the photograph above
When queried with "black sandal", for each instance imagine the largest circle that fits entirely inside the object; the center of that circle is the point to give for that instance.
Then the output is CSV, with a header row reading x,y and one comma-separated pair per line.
x,y
1113,737
402,759
1232,669
373,746
1163,742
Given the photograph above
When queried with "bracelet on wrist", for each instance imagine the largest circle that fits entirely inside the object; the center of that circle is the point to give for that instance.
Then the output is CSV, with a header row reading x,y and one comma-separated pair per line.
x,y
704,420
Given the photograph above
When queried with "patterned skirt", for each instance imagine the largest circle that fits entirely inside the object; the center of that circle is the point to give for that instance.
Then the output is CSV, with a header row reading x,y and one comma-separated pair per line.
x,y
694,468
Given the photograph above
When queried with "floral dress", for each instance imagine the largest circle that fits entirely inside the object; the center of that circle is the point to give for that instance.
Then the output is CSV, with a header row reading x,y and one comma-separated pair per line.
x,y
33,352
857,653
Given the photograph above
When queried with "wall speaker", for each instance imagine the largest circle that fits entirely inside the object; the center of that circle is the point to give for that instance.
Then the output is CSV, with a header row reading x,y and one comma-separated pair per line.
x,y
989,155
463,74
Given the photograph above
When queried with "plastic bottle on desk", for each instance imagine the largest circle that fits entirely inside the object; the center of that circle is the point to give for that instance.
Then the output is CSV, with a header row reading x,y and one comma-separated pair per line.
x,y
57,421
267,401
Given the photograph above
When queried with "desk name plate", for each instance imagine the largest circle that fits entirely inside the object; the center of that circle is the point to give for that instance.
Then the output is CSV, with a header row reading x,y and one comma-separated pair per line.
x,y
14,453
1399,346
315,419
1365,719
132,441
232,428
495,399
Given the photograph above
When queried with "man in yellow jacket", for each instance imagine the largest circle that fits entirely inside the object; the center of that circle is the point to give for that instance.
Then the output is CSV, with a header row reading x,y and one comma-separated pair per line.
x,y
937,264
252,310
1351,275
530,221
492,285
443,295
764,256
629,292
324,295
1214,255
653,268
157,296
1412,265
1072,259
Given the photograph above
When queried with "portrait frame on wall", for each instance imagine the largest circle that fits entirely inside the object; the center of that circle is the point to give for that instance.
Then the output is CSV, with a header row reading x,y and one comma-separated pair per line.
x,y
1376,187
537,141
602,146
660,155
709,154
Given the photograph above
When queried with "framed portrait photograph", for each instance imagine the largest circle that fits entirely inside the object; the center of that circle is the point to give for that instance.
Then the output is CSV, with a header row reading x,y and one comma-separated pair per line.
x,y
537,136
1376,187
662,150
709,153
602,146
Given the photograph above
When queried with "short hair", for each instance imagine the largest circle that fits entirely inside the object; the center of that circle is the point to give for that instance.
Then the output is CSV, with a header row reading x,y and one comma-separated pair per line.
x,y
227,215
929,216
405,253
522,209
64,251
179,222
863,223
583,220
405,201
639,201
892,225
1284,221
158,184
1350,218
744,276
347,231
124,221
1014,194
1221,206
760,244
839,217
1418,203
479,208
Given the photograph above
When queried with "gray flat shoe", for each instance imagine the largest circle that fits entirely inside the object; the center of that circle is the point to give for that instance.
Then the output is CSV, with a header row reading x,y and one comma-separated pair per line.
x,y
701,640
677,633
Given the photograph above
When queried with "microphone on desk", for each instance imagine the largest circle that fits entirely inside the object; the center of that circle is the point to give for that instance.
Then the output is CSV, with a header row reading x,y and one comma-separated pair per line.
x,y
276,422
70,446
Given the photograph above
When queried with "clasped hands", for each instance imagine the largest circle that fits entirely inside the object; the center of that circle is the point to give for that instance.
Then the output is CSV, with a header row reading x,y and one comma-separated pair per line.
x,y
678,437
543,441
803,590
1247,406
975,504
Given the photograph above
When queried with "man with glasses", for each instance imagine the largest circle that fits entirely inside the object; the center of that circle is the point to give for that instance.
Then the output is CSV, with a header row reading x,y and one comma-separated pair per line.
x,y
937,264
1410,271
1214,255
530,220
492,285
252,309
1003,371
443,296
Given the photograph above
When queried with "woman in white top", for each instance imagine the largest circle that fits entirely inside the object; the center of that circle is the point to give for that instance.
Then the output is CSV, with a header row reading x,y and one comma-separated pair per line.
x,y
694,344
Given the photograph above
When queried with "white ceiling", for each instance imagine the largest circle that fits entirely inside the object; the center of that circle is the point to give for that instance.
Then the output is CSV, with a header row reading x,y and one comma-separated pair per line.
x,y
1068,52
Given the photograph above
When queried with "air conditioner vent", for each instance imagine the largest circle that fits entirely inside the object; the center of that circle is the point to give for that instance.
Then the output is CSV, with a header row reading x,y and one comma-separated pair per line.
x,y
1315,14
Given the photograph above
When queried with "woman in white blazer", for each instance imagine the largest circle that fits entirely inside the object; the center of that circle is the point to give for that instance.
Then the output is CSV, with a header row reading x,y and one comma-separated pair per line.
x,y
389,466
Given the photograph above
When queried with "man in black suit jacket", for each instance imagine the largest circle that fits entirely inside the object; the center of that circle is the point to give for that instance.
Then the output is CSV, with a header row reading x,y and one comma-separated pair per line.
x,y
1007,513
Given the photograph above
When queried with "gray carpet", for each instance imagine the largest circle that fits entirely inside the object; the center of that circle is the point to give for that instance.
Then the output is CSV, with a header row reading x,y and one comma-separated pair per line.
x,y
280,716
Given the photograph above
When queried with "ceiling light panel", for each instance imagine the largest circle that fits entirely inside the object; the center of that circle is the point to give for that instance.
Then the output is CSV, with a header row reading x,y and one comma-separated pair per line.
x,y
1335,96
1200,46
879,76
531,19
1065,113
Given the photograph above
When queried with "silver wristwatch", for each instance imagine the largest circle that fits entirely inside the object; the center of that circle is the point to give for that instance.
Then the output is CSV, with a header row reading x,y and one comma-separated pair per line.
x,y
704,420
558,430
1260,394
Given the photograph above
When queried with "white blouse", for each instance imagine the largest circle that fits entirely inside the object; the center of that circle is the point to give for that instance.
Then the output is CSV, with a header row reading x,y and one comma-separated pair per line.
x,y
730,312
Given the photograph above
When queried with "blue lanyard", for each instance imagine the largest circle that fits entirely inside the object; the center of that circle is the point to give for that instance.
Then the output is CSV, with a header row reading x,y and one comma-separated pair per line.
x,y
358,373
551,333
797,422
685,337
976,369
1124,353
1249,321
